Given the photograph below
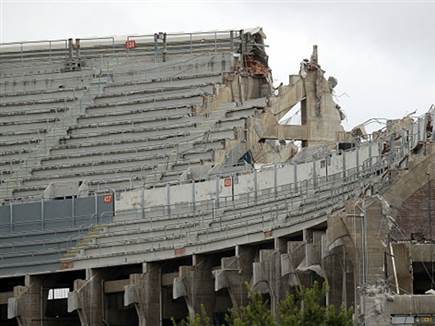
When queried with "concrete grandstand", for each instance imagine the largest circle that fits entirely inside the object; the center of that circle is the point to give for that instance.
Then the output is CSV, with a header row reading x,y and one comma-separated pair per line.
x,y
145,176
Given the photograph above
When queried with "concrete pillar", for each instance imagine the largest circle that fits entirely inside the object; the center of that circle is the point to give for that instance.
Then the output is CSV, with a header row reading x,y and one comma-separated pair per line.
x,y
28,302
290,261
195,284
144,293
313,248
335,274
87,298
267,274
234,273
277,270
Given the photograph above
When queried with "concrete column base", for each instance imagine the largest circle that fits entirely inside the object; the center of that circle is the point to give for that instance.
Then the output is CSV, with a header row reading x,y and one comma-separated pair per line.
x,y
144,293
235,272
27,304
195,284
267,278
86,299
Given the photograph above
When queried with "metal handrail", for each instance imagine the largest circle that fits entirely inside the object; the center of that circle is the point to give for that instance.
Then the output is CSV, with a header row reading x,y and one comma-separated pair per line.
x,y
219,226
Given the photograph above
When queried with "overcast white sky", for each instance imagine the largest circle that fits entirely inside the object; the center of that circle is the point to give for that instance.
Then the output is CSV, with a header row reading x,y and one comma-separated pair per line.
x,y
383,53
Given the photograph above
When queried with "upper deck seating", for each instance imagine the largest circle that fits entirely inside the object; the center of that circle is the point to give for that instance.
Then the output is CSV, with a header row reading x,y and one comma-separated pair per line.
x,y
136,112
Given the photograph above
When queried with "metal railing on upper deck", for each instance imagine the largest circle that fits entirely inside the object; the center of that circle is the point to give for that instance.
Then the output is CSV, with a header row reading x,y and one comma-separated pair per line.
x,y
297,198
150,44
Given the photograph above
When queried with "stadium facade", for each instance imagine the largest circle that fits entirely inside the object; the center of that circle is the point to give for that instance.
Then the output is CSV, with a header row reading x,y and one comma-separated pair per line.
x,y
145,176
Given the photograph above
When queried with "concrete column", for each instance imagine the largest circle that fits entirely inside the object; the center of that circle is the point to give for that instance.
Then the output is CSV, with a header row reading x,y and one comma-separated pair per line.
x,y
195,284
28,302
234,273
335,274
267,275
291,260
87,298
313,247
144,293
277,270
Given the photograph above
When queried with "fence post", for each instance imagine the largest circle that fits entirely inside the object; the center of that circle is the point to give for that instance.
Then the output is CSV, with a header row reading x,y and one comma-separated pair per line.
x,y
11,217
295,171
255,186
357,160
193,195
314,174
217,191
343,153
97,218
275,181
168,198
155,48
73,213
142,202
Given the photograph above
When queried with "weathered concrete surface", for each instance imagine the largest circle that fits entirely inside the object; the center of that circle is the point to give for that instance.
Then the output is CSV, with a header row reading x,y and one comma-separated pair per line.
x,y
235,274
28,302
267,277
86,298
195,284
320,115
144,293
380,307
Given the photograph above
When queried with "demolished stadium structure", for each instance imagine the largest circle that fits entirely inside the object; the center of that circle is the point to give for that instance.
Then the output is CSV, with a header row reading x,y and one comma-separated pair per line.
x,y
145,176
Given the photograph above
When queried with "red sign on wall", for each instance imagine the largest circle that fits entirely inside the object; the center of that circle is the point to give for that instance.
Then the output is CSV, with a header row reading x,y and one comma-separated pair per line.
x,y
107,199
180,251
130,44
228,182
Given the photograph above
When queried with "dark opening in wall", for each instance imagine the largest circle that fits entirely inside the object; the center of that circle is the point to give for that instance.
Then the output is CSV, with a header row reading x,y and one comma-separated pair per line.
x,y
175,309
116,313
423,276
4,321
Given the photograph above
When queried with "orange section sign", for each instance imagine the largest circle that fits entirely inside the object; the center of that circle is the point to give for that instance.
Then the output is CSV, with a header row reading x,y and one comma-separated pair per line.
x,y
130,44
107,199
180,251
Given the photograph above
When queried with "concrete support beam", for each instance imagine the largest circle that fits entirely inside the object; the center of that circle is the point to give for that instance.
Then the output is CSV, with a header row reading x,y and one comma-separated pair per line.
x,y
267,274
86,298
380,308
288,132
403,260
195,284
421,252
4,296
313,248
115,286
412,304
144,291
289,96
28,302
292,132
234,273
291,260
168,279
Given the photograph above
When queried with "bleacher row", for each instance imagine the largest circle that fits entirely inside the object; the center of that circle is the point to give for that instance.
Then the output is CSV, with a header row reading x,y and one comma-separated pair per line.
x,y
160,234
125,118
118,122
